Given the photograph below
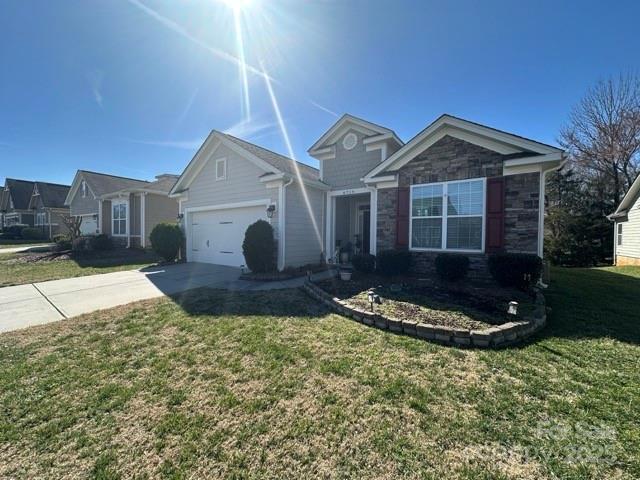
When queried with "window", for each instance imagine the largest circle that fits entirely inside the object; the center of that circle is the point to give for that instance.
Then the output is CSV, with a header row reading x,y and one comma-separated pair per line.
x,y
41,218
448,216
119,219
221,169
84,189
619,234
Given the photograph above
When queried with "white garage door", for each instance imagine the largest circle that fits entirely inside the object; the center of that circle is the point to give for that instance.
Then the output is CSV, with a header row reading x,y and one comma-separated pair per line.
x,y
216,236
89,226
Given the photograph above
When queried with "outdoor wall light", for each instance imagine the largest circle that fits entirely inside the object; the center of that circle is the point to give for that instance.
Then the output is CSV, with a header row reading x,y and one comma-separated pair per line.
x,y
271,210
513,308
180,216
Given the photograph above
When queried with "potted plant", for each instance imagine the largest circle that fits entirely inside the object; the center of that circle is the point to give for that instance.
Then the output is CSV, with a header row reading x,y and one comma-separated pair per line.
x,y
345,252
345,274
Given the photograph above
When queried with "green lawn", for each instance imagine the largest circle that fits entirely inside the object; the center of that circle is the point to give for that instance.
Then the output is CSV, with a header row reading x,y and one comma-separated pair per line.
x,y
14,270
272,385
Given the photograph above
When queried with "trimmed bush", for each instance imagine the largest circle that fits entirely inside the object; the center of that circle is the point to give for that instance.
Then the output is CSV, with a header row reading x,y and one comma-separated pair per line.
x,y
31,233
63,242
13,232
100,243
519,270
364,262
452,267
81,244
259,247
393,262
166,240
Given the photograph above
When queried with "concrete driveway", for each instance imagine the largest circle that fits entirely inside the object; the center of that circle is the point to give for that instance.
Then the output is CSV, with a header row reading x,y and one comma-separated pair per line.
x,y
33,304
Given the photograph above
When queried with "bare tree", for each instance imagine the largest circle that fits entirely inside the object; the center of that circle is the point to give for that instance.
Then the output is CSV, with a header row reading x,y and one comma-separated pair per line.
x,y
603,135
73,225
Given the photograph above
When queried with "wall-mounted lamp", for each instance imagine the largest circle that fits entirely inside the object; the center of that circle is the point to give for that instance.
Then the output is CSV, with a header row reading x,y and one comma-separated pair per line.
x,y
271,210
180,217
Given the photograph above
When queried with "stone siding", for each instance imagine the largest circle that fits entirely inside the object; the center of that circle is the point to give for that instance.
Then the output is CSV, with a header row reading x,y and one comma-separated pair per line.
x,y
521,212
453,159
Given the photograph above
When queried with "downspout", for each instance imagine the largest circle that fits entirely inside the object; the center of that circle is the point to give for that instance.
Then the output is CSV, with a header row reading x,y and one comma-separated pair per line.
x,y
282,221
50,233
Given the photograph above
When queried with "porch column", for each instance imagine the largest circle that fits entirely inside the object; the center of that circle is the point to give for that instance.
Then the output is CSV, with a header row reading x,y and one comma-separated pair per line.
x,y
373,221
99,216
143,232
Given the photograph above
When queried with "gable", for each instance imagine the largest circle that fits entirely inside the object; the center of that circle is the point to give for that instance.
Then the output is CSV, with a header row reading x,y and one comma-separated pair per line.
x,y
350,123
500,142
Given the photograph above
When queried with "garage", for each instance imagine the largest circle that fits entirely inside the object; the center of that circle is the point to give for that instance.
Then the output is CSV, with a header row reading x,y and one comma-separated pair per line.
x,y
89,225
216,236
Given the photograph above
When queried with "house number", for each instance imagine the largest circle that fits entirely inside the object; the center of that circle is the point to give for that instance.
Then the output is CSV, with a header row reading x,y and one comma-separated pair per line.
x,y
347,192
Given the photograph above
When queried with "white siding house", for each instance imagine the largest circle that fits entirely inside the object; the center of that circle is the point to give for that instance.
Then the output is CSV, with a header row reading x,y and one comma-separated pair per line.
x,y
626,225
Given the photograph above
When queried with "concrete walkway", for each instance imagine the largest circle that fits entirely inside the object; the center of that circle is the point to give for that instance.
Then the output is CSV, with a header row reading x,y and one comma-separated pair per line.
x,y
33,304
25,248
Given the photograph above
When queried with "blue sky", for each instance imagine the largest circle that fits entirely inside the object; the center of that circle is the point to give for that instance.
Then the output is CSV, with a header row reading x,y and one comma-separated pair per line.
x,y
132,87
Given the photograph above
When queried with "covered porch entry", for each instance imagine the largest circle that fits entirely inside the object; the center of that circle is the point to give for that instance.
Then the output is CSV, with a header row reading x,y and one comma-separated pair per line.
x,y
351,225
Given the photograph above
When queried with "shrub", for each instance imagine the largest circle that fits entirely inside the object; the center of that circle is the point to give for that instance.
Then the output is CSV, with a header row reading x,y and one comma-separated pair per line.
x,y
31,233
13,232
166,240
520,270
393,262
100,242
259,247
452,267
81,244
364,262
63,242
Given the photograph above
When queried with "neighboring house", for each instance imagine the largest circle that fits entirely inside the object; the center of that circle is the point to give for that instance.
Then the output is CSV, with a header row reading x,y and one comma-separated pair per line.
x,y
457,186
626,228
14,203
126,209
47,205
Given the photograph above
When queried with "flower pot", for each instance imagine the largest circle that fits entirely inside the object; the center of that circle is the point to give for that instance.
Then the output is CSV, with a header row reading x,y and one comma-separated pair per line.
x,y
345,275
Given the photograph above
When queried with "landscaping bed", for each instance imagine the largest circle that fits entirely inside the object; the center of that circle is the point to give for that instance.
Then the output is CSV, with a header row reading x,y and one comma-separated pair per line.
x,y
465,305
286,274
30,267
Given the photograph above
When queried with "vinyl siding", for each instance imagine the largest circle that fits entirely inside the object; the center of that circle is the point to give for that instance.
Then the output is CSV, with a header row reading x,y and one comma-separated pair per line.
x,y
83,206
134,214
242,184
302,244
349,166
158,209
106,217
630,233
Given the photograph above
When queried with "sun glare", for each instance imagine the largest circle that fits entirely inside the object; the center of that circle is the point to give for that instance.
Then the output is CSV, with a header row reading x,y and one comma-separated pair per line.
x,y
237,4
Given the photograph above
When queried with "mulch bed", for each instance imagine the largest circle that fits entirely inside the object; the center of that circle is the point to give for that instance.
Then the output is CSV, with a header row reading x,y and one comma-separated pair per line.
x,y
286,274
462,305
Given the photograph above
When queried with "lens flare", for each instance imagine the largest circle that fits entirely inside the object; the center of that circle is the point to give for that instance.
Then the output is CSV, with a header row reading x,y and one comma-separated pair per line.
x,y
287,141
242,65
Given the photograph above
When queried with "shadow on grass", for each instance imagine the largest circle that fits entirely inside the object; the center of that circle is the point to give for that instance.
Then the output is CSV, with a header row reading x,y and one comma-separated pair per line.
x,y
113,258
276,303
593,303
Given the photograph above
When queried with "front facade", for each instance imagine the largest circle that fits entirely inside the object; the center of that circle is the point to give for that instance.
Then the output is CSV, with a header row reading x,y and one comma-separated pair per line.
x,y
14,203
456,187
126,209
626,228
49,210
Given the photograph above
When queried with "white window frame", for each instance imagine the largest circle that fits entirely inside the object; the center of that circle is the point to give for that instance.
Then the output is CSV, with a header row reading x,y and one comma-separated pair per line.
x,y
619,233
445,216
224,162
42,215
83,187
126,219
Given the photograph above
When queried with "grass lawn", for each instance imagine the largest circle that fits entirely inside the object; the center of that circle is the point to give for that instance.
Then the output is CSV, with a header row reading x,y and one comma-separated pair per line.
x,y
272,385
19,268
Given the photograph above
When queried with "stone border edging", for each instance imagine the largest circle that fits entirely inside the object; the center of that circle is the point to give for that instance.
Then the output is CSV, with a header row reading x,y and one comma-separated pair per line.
x,y
497,336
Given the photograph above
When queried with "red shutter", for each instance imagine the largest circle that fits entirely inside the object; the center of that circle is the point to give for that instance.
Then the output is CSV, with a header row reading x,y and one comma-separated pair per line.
x,y
402,218
495,215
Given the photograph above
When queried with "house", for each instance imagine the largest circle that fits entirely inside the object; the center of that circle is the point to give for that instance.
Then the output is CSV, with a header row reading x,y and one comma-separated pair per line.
x,y
126,209
626,228
457,186
14,203
47,205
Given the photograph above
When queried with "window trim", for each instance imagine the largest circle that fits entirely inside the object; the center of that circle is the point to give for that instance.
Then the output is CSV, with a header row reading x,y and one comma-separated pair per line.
x,y
619,233
224,162
126,218
445,216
